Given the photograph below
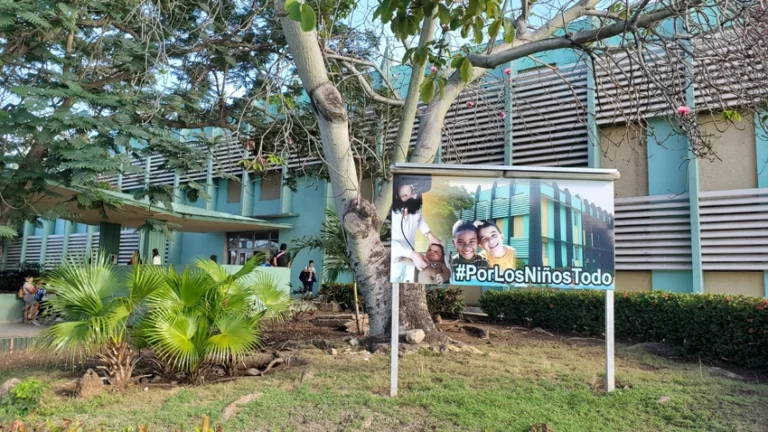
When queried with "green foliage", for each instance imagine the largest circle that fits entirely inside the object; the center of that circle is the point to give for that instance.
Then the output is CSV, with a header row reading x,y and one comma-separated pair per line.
x,y
22,399
732,116
95,303
446,302
12,280
331,242
8,232
442,214
709,326
207,316
343,294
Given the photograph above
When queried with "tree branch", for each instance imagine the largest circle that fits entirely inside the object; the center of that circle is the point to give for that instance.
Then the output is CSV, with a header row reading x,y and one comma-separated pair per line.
x,y
347,62
604,14
574,41
385,78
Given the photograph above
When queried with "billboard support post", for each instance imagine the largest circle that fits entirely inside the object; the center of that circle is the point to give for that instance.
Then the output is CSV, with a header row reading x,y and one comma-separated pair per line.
x,y
610,378
394,347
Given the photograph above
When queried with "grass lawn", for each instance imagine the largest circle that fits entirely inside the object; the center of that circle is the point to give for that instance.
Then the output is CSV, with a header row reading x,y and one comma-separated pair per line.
x,y
519,380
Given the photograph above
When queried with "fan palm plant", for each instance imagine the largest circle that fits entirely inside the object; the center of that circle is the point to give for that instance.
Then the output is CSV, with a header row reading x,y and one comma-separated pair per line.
x,y
205,316
96,304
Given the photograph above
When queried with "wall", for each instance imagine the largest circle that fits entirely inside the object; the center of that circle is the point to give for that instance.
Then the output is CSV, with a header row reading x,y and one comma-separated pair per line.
x,y
633,281
11,307
625,148
679,281
733,164
667,159
309,202
202,245
745,283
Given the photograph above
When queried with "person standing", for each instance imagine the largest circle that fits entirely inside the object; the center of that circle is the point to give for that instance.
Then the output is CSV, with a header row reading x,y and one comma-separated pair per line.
x,y
31,305
156,257
214,258
283,258
308,278
135,258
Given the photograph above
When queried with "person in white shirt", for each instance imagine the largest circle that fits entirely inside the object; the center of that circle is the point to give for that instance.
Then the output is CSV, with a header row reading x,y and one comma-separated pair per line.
x,y
156,257
308,278
406,220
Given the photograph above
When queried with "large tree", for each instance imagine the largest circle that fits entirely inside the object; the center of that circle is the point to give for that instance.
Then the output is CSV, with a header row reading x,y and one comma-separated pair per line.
x,y
671,30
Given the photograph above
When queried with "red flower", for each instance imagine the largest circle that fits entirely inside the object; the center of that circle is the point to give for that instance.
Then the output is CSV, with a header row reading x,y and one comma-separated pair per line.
x,y
665,295
727,299
751,330
760,307
625,295
749,319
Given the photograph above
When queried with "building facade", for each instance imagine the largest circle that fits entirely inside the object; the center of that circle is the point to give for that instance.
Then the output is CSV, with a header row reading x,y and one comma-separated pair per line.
x,y
682,223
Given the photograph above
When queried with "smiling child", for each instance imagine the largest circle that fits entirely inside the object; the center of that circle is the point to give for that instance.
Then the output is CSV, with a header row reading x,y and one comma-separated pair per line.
x,y
492,243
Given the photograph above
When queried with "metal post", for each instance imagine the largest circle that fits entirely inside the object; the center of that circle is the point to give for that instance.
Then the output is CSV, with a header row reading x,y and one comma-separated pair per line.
x,y
357,308
395,349
610,378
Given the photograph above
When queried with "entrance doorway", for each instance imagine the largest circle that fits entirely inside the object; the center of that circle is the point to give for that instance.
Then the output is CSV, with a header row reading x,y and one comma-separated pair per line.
x,y
242,246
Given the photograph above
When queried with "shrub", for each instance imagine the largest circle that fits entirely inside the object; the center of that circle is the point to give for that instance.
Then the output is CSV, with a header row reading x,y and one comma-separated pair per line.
x,y
12,280
23,398
342,294
446,302
730,328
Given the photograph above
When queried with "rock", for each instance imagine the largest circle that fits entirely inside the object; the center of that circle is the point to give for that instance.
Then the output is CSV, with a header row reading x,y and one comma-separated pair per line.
x,y
655,348
354,342
329,307
352,327
8,385
471,349
234,407
476,331
415,337
219,371
252,372
542,331
541,427
89,385
156,379
333,352
146,389
144,380
174,383
722,373
323,344
664,399
453,348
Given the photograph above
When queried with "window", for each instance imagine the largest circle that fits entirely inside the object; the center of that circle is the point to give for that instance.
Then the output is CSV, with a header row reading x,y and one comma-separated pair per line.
x,y
242,246
234,189
270,186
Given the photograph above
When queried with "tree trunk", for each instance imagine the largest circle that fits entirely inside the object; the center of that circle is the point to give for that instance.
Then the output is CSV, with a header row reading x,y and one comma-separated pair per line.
x,y
414,313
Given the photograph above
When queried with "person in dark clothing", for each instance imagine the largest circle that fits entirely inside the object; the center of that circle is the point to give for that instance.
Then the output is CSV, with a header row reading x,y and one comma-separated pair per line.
x,y
283,258
214,258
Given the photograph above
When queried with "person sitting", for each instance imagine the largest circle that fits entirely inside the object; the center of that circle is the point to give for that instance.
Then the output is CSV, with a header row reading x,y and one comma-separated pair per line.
x,y
135,258
437,272
308,278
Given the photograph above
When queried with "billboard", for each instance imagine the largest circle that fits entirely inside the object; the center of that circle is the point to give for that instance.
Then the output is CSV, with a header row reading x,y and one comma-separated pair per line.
x,y
503,232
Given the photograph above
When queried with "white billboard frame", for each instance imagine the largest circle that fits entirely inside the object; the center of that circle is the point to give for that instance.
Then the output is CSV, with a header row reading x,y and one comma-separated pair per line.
x,y
504,172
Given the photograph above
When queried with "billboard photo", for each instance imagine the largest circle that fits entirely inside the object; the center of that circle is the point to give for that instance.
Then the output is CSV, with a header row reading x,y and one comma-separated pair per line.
x,y
503,232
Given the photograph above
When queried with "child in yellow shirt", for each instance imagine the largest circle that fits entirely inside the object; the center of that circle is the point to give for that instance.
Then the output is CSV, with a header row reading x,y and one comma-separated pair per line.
x,y
492,243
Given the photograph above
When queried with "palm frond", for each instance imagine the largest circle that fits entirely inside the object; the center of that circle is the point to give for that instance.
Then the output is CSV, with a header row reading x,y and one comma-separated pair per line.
x,y
236,336
7,232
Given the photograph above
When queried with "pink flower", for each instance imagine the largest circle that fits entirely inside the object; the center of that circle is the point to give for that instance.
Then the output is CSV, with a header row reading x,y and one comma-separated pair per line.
x,y
508,71
503,115
433,69
683,110
751,330
470,104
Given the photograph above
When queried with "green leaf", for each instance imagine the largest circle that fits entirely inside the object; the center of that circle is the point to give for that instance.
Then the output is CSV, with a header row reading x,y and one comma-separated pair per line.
x,y
444,14
731,115
509,31
308,18
493,29
441,85
456,62
478,32
466,71
427,90
293,7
